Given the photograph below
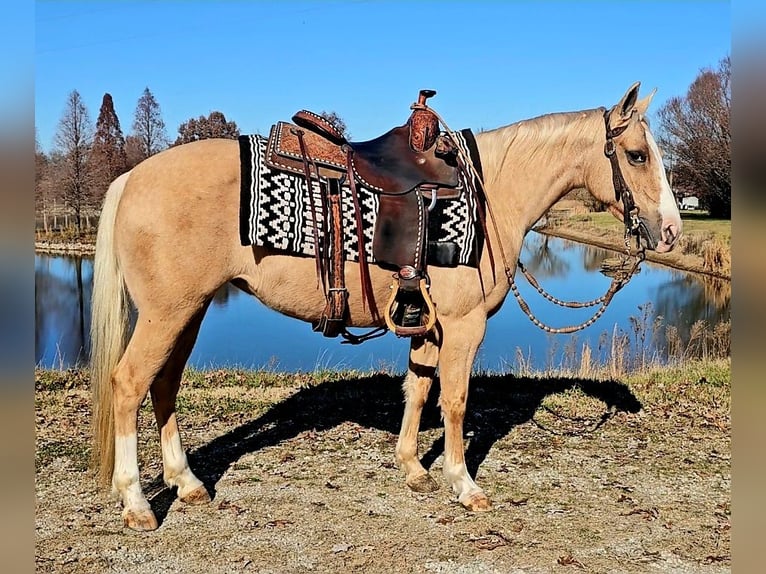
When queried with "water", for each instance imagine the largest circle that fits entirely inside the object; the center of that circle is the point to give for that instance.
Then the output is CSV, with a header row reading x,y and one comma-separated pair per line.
x,y
239,331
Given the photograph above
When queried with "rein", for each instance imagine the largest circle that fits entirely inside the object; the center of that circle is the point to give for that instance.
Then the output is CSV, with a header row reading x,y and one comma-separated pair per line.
x,y
633,227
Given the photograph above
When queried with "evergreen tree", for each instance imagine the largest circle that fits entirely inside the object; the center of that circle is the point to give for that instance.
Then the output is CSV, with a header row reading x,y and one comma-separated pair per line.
x,y
107,158
212,126
148,125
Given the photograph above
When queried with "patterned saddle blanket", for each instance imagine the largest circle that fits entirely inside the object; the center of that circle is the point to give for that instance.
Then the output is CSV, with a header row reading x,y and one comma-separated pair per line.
x,y
275,210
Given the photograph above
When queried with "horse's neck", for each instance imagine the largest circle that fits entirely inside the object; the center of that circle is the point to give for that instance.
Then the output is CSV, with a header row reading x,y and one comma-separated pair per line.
x,y
530,165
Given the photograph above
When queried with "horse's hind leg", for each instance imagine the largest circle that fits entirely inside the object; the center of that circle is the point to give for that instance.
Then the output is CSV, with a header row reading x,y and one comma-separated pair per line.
x,y
152,342
164,390
424,354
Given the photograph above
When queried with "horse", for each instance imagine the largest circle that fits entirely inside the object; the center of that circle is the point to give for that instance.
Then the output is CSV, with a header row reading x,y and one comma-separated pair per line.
x,y
168,239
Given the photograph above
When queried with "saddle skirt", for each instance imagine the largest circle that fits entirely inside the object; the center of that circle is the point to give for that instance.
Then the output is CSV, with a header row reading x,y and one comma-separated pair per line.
x,y
275,206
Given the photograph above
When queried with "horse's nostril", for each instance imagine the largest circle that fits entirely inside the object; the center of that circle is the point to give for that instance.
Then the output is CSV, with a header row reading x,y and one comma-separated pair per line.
x,y
670,234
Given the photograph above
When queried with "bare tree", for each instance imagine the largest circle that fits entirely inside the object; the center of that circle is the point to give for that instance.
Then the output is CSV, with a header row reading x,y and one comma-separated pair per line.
x,y
72,142
42,183
212,126
148,125
107,159
696,135
338,122
134,151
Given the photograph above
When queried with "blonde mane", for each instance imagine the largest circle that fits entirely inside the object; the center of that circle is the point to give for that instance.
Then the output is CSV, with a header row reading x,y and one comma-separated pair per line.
x,y
527,138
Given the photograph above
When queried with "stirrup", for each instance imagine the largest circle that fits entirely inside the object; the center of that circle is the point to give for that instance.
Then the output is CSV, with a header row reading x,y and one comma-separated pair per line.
x,y
335,314
410,311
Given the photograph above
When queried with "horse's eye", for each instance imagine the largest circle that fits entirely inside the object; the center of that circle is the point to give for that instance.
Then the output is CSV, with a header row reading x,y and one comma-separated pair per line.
x,y
636,157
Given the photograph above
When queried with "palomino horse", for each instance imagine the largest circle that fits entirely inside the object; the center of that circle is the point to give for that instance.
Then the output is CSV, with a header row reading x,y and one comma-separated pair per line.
x,y
168,239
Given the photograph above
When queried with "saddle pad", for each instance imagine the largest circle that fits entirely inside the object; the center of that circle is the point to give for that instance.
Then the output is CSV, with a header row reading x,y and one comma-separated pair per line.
x,y
275,209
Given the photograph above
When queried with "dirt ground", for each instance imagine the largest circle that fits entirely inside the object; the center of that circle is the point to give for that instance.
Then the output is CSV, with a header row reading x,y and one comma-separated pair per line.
x,y
585,476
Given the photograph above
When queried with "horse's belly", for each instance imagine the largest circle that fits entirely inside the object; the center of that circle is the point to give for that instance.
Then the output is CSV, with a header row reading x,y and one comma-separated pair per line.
x,y
289,285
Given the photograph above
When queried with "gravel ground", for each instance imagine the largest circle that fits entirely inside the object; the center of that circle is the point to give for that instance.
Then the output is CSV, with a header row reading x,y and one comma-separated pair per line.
x,y
585,476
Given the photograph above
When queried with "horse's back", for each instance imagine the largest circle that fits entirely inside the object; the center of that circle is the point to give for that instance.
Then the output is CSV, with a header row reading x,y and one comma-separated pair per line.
x,y
185,172
187,187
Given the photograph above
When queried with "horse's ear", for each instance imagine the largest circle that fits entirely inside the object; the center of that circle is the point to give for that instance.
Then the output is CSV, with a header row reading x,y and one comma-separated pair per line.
x,y
643,104
622,112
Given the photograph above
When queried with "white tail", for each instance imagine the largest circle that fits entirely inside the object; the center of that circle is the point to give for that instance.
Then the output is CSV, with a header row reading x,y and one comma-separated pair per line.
x,y
108,330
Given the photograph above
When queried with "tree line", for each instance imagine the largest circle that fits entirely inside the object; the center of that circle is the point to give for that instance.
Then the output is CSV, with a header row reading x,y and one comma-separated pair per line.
x,y
694,133
84,160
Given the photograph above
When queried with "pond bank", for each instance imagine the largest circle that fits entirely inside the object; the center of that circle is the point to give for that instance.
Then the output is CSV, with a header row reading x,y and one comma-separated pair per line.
x,y
65,247
682,261
704,246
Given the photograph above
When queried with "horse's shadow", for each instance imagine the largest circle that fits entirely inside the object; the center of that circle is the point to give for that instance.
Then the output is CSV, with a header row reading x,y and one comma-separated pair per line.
x,y
496,404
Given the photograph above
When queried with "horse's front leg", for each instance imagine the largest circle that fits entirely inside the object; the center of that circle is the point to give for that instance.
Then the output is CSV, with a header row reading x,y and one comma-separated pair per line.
x,y
461,340
424,354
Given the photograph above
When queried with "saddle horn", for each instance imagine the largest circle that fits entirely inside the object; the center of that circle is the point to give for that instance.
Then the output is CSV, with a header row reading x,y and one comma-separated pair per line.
x,y
422,97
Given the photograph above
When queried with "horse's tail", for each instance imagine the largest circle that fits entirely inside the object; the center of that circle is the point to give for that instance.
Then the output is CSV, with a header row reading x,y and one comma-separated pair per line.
x,y
108,330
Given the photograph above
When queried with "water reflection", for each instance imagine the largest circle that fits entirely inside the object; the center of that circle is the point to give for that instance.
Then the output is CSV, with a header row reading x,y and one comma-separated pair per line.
x,y
686,299
543,259
238,330
62,309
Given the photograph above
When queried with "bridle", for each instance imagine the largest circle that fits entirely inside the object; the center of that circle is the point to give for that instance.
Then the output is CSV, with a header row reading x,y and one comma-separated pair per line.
x,y
634,225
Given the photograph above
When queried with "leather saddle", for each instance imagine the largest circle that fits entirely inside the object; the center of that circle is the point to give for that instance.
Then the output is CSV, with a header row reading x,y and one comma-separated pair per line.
x,y
403,158
408,166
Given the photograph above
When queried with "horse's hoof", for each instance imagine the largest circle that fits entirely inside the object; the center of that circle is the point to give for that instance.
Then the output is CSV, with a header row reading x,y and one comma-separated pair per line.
x,y
423,483
141,520
476,502
197,496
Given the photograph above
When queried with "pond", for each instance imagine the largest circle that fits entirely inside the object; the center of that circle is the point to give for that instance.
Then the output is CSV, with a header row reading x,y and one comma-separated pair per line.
x,y
652,316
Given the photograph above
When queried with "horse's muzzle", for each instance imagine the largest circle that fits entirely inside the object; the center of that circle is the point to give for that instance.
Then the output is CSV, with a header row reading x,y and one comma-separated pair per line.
x,y
668,237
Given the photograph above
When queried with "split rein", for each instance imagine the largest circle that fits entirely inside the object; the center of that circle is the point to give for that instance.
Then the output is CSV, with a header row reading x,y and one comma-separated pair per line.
x,y
633,227
620,279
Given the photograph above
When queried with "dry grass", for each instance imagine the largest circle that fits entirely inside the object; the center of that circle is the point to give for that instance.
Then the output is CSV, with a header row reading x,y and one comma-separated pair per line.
x,y
636,350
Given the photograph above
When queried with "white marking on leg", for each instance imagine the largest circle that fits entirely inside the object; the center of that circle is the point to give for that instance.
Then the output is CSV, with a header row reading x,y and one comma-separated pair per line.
x,y
125,480
176,471
458,478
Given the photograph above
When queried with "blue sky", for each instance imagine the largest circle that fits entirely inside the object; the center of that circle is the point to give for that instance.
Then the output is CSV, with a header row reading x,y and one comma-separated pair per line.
x,y
492,63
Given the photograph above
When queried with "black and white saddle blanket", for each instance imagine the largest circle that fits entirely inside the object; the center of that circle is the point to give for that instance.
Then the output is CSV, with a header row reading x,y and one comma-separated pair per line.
x,y
275,209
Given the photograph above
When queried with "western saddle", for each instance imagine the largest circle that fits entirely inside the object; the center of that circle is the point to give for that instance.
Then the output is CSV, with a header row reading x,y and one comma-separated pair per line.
x,y
410,167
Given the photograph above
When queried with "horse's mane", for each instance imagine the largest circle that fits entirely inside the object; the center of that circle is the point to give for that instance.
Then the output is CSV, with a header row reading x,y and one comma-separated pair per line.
x,y
528,137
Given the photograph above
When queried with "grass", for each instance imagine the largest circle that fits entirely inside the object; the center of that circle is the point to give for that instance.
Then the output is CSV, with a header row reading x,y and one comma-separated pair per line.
x,y
70,235
235,394
696,392
699,221
694,222
608,473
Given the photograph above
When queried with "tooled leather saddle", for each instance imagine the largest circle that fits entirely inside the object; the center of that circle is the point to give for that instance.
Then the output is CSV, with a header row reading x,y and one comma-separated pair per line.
x,y
410,167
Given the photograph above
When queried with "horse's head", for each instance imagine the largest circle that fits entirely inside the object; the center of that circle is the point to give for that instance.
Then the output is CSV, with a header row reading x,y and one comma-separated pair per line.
x,y
637,175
